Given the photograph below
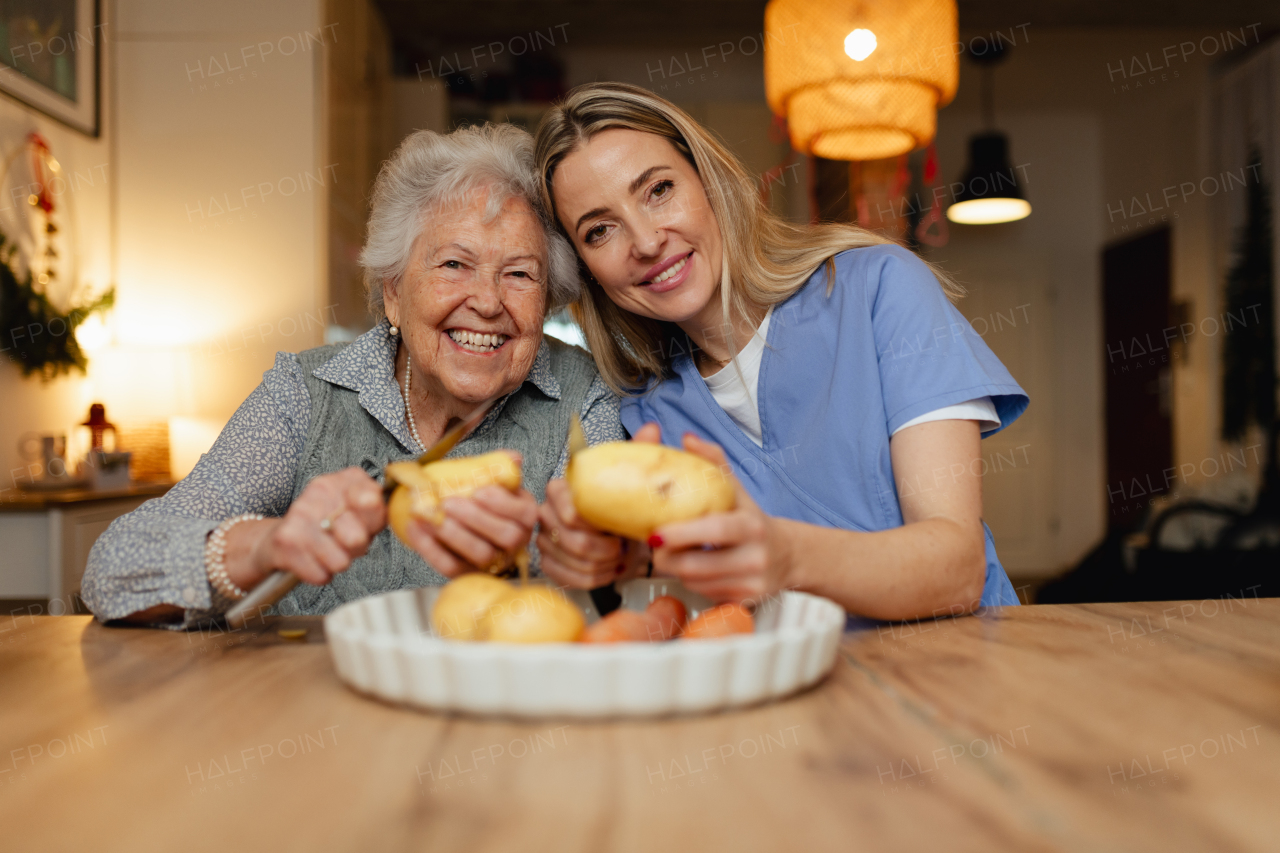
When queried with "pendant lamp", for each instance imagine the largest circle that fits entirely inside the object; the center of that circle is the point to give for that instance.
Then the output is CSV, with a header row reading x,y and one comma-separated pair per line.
x,y
860,79
991,192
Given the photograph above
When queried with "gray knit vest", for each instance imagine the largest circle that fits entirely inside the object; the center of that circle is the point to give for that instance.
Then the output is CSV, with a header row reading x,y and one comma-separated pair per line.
x,y
342,434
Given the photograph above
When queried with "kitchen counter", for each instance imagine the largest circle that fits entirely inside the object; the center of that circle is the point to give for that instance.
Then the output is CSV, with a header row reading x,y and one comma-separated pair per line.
x,y
35,500
1118,727
47,536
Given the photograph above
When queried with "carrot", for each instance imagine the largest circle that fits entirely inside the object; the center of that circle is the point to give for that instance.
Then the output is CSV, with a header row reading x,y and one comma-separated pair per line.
x,y
721,621
621,626
669,616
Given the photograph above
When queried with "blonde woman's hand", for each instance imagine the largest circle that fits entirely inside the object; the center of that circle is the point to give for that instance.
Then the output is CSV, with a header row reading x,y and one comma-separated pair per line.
x,y
737,556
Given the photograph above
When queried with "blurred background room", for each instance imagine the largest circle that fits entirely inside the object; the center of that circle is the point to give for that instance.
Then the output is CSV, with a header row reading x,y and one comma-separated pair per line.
x,y
185,188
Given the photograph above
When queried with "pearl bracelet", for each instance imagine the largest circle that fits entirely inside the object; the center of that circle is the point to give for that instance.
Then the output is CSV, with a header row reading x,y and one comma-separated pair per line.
x,y
215,552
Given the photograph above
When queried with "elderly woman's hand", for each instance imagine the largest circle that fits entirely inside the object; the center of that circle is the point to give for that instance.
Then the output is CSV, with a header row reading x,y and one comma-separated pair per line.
x,y
477,530
298,543
576,554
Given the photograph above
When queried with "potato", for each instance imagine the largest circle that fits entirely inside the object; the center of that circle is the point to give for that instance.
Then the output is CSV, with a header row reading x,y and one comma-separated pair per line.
x,y
721,621
469,474
400,509
464,602
532,614
631,488
421,488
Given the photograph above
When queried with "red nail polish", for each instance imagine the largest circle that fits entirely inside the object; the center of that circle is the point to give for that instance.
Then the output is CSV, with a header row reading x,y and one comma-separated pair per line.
x,y
655,541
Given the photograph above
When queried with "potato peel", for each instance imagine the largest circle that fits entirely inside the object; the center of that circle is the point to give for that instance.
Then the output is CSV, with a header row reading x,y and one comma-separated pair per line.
x,y
421,489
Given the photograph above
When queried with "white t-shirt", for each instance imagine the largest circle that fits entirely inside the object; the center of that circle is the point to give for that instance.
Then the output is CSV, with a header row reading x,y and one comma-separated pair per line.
x,y
732,395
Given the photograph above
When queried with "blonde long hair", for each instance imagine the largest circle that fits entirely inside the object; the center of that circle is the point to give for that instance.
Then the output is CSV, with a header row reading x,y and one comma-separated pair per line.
x,y
766,258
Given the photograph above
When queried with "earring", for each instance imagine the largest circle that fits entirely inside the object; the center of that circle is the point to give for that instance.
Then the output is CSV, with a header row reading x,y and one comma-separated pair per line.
x,y
393,330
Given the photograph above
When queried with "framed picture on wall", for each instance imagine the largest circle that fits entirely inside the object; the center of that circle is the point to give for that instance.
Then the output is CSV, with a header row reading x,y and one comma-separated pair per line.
x,y
49,58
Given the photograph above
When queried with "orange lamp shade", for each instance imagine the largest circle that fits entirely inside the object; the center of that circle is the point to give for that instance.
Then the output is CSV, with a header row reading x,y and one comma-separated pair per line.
x,y
860,79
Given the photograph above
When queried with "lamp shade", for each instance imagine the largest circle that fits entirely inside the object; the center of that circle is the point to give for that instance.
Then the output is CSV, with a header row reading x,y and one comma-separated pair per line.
x,y
990,191
843,107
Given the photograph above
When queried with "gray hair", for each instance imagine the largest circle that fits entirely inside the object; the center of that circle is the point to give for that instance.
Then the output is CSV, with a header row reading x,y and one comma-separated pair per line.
x,y
427,172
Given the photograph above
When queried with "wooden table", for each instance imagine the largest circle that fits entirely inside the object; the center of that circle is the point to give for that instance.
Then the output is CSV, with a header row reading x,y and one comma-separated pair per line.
x,y
1111,727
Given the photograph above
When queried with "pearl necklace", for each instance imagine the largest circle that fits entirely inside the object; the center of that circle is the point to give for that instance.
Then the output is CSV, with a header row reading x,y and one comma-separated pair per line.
x,y
408,408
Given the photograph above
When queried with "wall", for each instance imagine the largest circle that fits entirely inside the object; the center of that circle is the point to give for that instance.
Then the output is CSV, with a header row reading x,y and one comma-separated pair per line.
x,y
83,211
1089,147
360,133
213,221
223,180
1033,293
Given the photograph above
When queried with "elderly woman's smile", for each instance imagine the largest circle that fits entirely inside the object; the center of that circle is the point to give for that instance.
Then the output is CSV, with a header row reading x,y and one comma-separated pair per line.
x,y
477,342
472,300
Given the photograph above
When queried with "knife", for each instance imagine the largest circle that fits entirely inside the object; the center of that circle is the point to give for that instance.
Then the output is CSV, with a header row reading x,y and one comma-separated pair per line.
x,y
278,583
446,443
577,440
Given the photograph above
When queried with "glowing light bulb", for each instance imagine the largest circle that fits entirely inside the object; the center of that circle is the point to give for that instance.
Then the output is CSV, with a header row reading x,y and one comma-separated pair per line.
x,y
860,44
988,211
93,334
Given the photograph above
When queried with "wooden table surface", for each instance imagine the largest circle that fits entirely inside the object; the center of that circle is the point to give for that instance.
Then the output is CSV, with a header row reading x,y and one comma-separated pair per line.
x,y
1110,727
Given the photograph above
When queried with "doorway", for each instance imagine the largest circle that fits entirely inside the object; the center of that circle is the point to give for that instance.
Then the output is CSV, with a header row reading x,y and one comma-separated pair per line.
x,y
1139,387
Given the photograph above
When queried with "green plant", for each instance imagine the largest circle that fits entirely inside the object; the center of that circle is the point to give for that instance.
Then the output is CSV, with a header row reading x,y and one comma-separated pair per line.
x,y
36,335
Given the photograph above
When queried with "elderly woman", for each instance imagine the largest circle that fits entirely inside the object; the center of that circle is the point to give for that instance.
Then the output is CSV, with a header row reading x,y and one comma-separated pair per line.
x,y
463,265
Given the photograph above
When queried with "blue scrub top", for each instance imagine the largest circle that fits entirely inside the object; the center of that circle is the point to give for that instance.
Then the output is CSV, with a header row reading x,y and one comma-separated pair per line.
x,y
840,373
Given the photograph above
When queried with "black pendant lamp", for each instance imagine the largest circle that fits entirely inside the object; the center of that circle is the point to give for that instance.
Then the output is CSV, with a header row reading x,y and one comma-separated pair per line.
x,y
990,192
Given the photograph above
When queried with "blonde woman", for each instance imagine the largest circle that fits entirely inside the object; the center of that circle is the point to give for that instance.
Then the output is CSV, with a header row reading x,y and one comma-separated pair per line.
x,y
824,364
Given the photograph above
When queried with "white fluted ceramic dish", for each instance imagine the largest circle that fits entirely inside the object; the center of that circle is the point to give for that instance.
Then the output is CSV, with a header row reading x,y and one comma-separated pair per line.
x,y
383,646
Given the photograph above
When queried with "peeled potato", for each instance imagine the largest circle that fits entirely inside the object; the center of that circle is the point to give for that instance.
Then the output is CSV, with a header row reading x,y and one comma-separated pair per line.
x,y
464,602
631,488
469,474
532,614
421,488
400,506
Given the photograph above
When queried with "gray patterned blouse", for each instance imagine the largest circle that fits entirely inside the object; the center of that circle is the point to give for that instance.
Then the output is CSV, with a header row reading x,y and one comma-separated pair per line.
x,y
155,554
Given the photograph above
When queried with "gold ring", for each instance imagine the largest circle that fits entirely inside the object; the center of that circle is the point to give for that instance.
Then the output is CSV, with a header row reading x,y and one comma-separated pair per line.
x,y
326,523
555,535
